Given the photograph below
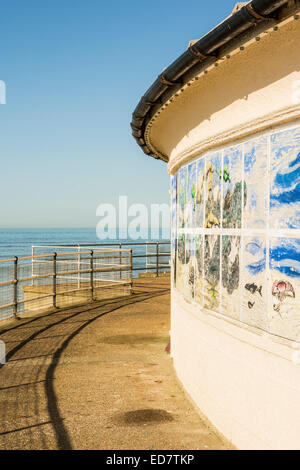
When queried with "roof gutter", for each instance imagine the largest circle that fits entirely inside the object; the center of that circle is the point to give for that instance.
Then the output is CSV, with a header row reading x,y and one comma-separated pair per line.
x,y
256,16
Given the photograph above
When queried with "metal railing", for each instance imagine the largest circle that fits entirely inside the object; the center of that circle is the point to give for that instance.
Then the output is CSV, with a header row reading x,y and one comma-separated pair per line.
x,y
149,257
59,276
60,279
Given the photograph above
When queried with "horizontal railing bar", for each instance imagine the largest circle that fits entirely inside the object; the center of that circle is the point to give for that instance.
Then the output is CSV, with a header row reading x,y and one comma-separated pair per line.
x,y
112,284
82,261
86,271
105,286
45,255
7,305
7,283
159,267
82,271
76,253
34,277
119,250
65,273
70,291
86,260
80,289
117,268
102,244
112,281
151,256
20,302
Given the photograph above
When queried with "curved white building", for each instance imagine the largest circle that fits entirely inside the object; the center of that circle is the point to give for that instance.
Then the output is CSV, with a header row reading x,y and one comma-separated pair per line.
x,y
226,117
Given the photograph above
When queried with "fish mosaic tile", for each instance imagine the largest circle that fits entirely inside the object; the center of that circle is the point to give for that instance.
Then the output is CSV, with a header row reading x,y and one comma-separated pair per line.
x,y
284,288
254,282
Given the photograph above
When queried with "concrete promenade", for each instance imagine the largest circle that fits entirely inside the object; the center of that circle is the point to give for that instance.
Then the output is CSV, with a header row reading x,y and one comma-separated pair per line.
x,y
98,377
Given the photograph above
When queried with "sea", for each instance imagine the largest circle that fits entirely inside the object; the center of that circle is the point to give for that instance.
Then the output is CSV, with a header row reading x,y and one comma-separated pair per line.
x,y
19,242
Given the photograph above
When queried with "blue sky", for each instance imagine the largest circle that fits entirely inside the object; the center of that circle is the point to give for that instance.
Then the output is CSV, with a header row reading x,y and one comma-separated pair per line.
x,y
74,71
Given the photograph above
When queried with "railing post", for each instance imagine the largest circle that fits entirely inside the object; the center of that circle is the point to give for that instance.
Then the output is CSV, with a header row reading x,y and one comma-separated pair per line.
x,y
16,287
32,264
147,245
120,259
54,279
130,264
92,274
157,260
78,267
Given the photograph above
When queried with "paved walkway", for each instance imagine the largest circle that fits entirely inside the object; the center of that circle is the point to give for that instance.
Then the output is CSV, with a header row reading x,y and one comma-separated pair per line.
x,y
97,377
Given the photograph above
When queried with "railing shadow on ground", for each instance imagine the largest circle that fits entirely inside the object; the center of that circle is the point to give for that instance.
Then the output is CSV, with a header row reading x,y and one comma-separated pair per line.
x,y
29,399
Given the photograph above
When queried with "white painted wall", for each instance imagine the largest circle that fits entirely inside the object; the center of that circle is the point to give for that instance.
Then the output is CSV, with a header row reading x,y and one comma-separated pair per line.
x,y
245,381
252,91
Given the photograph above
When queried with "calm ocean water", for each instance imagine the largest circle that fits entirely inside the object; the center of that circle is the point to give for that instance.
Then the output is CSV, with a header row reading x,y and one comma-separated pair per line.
x,y
18,242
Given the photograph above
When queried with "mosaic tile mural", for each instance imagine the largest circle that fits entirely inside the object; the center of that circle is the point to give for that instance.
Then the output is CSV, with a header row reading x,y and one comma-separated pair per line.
x,y
174,226
213,190
212,272
231,245
237,247
180,262
199,268
182,197
256,183
189,267
285,179
232,187
200,181
191,195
